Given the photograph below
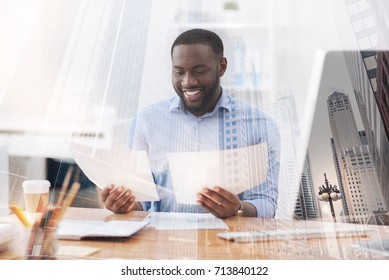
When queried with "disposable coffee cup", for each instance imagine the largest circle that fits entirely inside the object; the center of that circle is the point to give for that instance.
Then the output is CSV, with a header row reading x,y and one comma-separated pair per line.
x,y
36,195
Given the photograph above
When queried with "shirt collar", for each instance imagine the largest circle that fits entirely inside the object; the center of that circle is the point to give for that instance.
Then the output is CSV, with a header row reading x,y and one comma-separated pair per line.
x,y
224,102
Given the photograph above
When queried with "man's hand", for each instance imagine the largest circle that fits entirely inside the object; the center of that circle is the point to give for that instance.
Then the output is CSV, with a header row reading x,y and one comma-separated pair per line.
x,y
218,201
118,199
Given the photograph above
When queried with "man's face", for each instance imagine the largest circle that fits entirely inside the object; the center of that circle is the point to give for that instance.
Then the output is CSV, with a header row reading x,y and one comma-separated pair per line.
x,y
196,72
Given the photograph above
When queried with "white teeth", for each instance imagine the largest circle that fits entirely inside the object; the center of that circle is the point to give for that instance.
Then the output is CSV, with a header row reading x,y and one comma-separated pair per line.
x,y
191,92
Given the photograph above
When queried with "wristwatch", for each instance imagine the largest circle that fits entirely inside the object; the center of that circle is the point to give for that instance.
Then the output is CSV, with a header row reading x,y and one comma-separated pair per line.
x,y
240,211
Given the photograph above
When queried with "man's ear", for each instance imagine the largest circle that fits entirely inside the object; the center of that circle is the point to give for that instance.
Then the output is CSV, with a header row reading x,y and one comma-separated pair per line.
x,y
222,67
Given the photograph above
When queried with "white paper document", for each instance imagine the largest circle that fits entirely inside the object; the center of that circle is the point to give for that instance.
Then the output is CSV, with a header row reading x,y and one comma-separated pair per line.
x,y
130,169
235,170
183,221
79,229
7,234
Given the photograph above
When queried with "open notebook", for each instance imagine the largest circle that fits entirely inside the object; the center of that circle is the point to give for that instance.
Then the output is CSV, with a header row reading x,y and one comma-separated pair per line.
x,y
81,229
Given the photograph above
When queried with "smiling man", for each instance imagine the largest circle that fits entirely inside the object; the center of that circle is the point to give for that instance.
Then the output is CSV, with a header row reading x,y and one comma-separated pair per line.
x,y
196,76
202,117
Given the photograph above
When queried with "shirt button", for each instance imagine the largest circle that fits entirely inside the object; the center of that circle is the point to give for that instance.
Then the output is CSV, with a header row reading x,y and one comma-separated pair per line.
x,y
200,119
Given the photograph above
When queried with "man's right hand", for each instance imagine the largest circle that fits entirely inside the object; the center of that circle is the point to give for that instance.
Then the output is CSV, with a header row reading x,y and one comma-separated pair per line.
x,y
119,199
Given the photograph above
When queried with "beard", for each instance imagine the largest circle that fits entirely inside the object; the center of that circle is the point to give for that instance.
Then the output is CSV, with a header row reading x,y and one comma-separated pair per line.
x,y
207,101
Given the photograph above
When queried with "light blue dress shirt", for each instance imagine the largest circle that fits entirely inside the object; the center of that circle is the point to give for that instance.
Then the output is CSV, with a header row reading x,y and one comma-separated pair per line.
x,y
167,127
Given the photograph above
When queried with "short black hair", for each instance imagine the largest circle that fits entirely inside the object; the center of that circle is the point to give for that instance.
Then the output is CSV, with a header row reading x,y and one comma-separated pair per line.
x,y
200,36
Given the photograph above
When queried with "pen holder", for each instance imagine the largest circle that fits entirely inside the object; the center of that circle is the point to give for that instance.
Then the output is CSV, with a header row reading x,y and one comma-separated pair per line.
x,y
42,242
44,246
49,244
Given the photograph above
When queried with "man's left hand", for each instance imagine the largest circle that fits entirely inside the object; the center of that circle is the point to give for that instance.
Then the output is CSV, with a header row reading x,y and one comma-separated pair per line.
x,y
218,201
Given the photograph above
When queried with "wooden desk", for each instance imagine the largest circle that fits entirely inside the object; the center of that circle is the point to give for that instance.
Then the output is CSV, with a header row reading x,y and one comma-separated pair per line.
x,y
204,244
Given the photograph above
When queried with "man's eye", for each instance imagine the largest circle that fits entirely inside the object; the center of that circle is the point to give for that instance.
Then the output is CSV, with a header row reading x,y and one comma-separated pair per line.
x,y
201,71
178,73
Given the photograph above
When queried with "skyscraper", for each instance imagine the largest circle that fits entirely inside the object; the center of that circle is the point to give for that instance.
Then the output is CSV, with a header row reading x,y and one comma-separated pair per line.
x,y
364,141
368,70
306,203
296,185
345,212
382,93
359,178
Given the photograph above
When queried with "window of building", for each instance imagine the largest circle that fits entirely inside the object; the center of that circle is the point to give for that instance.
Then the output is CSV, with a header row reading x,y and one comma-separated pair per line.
x,y
363,5
364,43
353,9
369,22
358,25
373,82
370,62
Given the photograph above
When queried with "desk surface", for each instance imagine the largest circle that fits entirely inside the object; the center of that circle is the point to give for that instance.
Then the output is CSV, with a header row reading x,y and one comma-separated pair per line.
x,y
204,244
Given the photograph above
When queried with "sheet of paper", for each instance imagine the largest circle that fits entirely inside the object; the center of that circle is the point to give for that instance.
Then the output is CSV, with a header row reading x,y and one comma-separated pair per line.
x,y
7,235
121,168
235,170
76,251
183,221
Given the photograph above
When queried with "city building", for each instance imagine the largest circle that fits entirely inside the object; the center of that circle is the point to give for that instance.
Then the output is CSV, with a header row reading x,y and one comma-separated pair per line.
x,y
368,70
295,173
354,162
306,204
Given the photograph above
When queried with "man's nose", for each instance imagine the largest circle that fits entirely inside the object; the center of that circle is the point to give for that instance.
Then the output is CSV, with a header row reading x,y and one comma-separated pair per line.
x,y
188,80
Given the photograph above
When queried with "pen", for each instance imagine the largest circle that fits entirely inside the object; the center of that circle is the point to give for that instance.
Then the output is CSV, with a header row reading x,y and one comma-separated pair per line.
x,y
64,186
68,201
19,213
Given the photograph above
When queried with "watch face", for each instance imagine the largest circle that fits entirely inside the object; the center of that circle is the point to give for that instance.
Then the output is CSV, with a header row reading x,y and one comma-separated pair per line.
x,y
239,213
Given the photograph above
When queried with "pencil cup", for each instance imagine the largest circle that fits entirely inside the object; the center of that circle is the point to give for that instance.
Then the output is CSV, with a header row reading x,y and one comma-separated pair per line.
x,y
42,243
49,244
36,195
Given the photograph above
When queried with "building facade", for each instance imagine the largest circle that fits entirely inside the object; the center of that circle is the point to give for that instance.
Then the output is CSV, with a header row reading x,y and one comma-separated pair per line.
x,y
354,162
369,72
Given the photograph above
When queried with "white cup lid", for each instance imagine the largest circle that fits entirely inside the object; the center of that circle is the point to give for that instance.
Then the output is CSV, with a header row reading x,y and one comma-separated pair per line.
x,y
36,186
